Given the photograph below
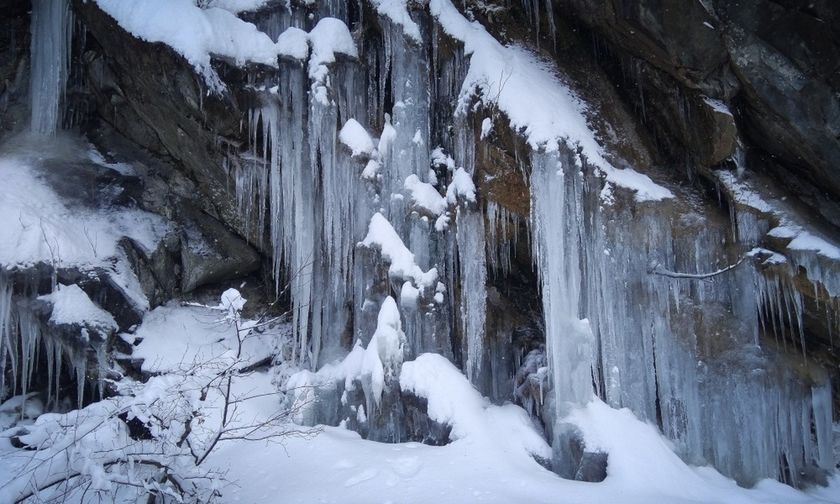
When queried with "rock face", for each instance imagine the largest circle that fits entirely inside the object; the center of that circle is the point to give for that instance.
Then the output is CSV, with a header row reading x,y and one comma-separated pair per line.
x,y
151,96
14,66
775,63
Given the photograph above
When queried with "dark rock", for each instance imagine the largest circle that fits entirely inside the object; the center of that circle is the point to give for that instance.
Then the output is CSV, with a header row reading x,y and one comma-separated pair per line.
x,y
153,97
14,65
210,253
159,271
421,428
593,467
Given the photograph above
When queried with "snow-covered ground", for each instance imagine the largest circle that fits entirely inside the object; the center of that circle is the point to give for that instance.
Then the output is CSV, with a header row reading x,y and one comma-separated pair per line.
x,y
488,461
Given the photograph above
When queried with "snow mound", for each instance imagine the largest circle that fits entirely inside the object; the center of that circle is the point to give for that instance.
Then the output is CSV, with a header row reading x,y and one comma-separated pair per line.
x,y
385,351
354,136
71,305
294,43
173,338
462,186
328,38
642,461
381,235
424,195
452,400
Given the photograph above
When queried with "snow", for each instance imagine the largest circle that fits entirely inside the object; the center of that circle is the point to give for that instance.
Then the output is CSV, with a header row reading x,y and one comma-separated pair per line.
x,y
490,462
424,195
354,136
807,246
490,458
194,33
462,185
381,235
385,351
328,38
642,461
371,169
440,158
397,12
409,295
717,105
71,305
237,6
486,127
41,227
533,98
294,43
173,337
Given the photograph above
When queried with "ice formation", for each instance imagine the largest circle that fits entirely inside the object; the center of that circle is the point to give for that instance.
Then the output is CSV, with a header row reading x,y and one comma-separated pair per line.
x,y
614,327
52,31
387,246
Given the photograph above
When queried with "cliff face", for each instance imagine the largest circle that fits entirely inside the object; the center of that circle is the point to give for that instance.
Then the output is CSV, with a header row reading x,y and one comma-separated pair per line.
x,y
775,63
698,229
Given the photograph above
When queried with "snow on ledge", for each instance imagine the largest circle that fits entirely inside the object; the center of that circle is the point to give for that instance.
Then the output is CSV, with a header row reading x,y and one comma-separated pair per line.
x,y
237,6
529,93
354,136
71,305
194,33
381,235
452,400
424,195
807,248
397,12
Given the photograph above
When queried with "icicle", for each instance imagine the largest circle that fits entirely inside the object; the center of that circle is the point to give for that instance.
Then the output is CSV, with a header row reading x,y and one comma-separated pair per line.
x,y
52,31
5,331
556,217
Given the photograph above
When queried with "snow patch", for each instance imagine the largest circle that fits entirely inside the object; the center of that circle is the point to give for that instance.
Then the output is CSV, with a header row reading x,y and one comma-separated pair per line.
x,y
381,235
71,305
354,136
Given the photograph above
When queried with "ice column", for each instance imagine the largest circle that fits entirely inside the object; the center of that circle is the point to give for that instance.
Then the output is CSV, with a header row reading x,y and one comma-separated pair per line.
x,y
50,51
556,216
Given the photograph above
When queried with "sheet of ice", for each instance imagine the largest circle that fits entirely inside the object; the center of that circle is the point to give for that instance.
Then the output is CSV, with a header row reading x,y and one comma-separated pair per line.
x,y
354,136
195,33
535,100
71,305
